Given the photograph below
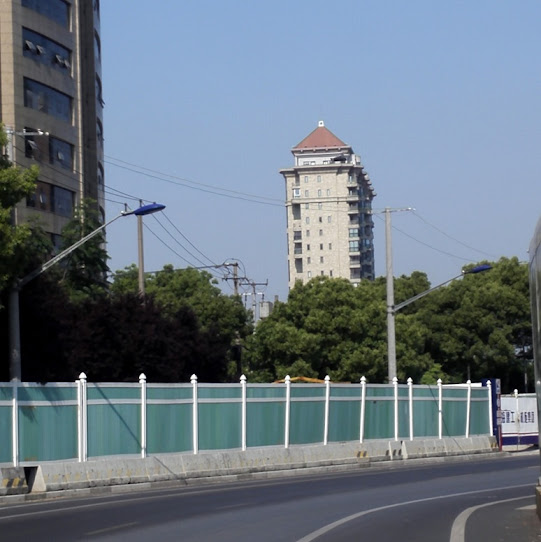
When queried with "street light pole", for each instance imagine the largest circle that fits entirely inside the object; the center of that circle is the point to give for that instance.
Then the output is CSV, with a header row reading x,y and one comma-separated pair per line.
x,y
393,309
391,339
140,252
13,300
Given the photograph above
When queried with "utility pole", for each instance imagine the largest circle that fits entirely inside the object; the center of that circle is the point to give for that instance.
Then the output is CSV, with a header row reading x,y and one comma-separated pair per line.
x,y
253,284
391,338
141,264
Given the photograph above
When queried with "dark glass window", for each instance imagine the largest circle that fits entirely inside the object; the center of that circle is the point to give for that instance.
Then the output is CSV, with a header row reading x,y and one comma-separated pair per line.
x,y
57,10
99,95
62,201
97,46
99,132
47,99
41,198
52,198
60,153
46,51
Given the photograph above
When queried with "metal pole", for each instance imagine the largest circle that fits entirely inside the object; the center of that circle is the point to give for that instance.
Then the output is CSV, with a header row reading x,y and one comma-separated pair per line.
x,y
140,252
391,340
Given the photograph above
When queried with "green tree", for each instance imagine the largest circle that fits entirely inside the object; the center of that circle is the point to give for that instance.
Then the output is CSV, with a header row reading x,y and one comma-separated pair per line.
x,y
84,271
15,184
222,320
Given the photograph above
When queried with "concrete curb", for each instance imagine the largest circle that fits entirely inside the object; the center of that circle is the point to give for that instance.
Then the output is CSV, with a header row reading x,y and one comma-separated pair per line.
x,y
236,464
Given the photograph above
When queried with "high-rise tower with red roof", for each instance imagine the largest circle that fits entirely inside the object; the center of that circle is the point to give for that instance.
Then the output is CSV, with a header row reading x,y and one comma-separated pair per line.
x,y
329,202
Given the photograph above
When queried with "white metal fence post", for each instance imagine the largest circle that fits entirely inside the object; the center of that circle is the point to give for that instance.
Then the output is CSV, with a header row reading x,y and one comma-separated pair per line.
x,y
143,382
363,408
195,421
327,409
15,421
517,416
440,409
468,409
243,412
288,404
410,397
490,421
395,386
82,420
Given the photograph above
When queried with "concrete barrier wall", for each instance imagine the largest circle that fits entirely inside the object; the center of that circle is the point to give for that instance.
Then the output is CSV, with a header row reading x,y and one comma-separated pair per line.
x,y
56,476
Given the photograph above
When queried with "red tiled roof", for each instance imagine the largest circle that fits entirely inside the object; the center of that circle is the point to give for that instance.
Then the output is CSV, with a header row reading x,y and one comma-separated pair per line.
x,y
320,138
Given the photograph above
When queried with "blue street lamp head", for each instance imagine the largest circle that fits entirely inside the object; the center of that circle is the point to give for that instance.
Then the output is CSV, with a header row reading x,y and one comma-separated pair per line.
x,y
149,209
478,269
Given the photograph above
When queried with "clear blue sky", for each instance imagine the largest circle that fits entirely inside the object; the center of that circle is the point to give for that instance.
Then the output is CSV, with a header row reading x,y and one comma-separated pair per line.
x,y
440,98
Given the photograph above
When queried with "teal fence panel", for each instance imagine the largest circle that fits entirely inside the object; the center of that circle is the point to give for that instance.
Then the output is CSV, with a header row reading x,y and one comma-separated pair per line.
x,y
403,412
307,414
114,419
344,413
379,412
6,415
265,415
479,415
425,412
220,416
169,418
454,411
47,422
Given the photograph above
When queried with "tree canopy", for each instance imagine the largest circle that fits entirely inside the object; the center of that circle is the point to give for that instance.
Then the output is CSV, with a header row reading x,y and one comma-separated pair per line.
x,y
475,327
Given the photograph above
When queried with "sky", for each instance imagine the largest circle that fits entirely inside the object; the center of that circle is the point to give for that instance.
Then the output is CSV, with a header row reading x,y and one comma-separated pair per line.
x,y
204,100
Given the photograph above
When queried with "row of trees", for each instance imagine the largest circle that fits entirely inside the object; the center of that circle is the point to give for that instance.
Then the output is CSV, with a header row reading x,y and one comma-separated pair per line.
x,y
475,327
73,319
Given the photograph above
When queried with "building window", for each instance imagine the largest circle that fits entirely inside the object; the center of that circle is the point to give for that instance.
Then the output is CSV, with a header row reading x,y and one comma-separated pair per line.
x,y
319,193
100,175
320,219
47,100
60,153
329,219
354,246
99,93
297,235
307,193
62,201
296,211
307,233
353,232
306,178
321,246
97,47
307,206
321,259
328,191
307,220
56,10
319,178
320,232
45,51
307,248
297,249
296,193
322,273
330,246
99,132
309,274
330,273
308,260
325,162
320,206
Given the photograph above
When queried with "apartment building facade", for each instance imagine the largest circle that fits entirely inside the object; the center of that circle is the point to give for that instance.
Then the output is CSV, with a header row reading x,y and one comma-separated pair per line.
x,y
328,202
51,103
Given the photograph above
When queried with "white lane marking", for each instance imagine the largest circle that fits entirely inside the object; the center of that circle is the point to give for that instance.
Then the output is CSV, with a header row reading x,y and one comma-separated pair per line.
x,y
458,530
114,528
324,530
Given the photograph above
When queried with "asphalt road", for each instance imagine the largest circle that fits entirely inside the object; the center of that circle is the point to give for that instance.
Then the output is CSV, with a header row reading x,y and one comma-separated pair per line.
x,y
448,501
